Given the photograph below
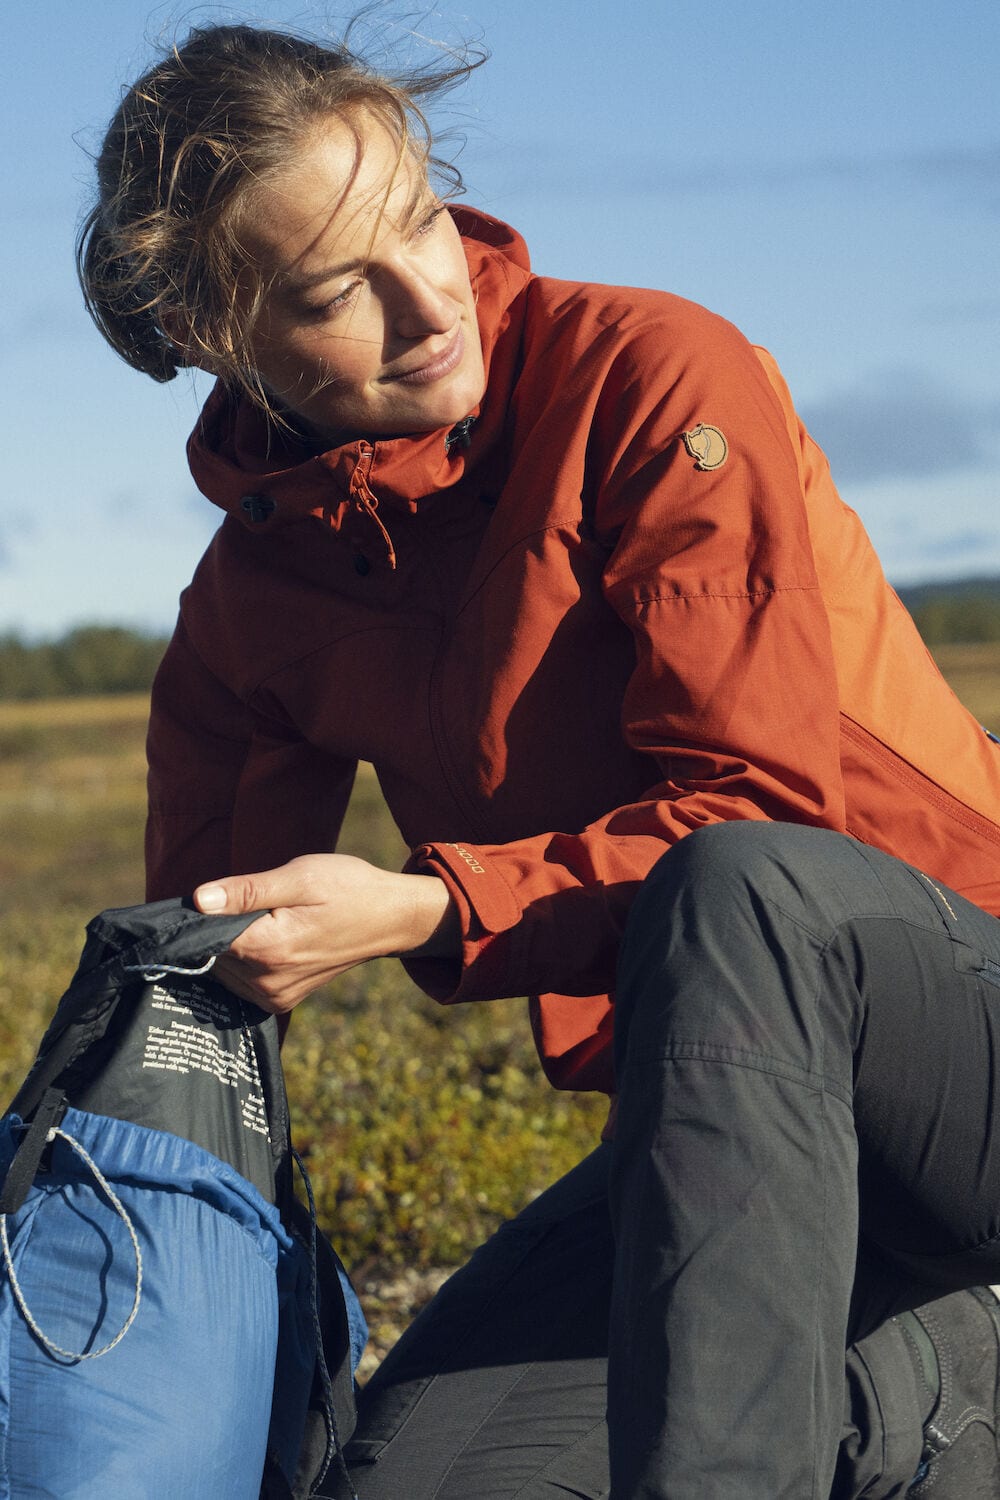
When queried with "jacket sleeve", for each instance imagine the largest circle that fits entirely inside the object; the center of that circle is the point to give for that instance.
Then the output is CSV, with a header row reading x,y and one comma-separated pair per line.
x,y
230,789
733,697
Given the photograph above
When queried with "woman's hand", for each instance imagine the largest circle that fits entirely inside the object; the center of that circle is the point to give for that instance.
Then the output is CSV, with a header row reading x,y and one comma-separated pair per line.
x,y
324,914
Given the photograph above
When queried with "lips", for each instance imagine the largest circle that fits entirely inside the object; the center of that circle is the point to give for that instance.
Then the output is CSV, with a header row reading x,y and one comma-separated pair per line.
x,y
435,368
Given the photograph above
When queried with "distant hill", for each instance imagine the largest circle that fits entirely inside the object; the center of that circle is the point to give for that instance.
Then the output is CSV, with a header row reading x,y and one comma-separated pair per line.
x,y
914,595
92,659
955,610
100,659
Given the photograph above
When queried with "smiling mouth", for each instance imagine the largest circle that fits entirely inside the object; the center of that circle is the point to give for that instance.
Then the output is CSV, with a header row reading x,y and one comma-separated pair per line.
x,y
434,368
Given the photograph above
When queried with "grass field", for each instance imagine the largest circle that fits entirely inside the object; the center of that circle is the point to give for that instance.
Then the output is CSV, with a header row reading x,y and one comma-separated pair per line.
x,y
422,1126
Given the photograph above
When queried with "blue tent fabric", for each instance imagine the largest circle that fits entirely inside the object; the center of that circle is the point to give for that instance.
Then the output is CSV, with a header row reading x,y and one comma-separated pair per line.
x,y
167,1326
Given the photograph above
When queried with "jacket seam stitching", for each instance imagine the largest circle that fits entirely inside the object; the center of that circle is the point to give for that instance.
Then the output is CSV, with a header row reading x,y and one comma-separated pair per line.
x,y
573,522
792,588
315,650
919,782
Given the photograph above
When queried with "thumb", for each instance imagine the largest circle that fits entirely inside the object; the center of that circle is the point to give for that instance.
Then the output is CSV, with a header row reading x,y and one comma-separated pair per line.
x,y
234,895
294,884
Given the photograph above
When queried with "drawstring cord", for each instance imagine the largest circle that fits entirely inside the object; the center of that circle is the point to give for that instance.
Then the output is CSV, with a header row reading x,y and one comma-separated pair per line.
x,y
324,1370
160,971
152,973
15,1285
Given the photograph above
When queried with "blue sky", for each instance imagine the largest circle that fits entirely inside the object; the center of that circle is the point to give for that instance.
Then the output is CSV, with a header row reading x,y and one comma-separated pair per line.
x,y
824,175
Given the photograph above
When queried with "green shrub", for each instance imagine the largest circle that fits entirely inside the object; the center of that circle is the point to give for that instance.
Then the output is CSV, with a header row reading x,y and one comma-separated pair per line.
x,y
421,1125
88,659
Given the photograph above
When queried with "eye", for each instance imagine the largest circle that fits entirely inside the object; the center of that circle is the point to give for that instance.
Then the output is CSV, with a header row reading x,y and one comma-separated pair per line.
x,y
331,305
344,297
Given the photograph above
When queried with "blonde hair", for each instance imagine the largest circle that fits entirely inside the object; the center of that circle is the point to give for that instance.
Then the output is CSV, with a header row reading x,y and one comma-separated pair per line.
x,y
159,255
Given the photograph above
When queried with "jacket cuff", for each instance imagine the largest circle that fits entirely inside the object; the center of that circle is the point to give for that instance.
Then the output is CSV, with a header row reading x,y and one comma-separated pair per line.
x,y
488,913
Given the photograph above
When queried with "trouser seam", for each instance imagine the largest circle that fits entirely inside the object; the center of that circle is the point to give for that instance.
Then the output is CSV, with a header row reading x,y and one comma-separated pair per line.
x,y
539,1473
540,1231
739,1057
849,919
504,1395
558,1459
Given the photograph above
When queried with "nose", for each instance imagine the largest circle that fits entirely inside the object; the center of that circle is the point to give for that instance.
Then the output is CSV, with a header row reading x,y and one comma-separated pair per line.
x,y
420,307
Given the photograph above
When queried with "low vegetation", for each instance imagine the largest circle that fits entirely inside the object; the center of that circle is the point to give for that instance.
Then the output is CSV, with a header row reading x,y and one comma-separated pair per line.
x,y
422,1126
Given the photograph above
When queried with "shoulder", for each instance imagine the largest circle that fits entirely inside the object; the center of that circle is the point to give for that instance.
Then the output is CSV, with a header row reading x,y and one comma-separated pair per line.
x,y
630,360
632,315
634,340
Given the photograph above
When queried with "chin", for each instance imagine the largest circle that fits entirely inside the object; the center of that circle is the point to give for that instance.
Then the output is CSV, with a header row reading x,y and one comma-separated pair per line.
x,y
466,399
444,413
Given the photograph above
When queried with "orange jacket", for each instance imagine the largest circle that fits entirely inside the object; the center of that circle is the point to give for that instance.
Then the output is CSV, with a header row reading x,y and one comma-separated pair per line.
x,y
563,646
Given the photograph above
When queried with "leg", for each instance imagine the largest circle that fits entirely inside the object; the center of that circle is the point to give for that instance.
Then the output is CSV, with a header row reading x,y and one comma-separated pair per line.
x,y
765,965
497,1391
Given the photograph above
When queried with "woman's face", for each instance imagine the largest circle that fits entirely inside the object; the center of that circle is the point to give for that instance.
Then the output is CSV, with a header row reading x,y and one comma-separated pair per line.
x,y
368,324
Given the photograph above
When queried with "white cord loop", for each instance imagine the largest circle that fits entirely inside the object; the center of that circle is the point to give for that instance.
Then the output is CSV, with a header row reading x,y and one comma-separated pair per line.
x,y
160,971
120,1209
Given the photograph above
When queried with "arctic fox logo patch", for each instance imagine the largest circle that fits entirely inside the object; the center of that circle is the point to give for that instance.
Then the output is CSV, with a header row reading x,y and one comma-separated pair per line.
x,y
707,446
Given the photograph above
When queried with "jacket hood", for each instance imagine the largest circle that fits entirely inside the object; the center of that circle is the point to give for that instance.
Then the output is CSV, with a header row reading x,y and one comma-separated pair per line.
x,y
264,477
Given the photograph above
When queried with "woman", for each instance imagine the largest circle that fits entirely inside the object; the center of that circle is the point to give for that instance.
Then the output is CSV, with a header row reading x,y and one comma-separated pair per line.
x,y
561,562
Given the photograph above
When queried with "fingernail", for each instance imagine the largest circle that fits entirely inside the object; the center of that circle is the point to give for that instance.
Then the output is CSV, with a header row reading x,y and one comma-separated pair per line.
x,y
211,898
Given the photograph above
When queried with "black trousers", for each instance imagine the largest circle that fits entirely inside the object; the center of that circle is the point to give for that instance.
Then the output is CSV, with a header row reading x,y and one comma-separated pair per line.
x,y
807,1051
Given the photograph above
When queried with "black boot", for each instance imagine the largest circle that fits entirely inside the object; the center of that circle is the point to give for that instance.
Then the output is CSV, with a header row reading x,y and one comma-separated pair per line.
x,y
955,1346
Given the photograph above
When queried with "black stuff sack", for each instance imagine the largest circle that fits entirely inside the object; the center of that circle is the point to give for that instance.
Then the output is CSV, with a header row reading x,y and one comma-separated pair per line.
x,y
171,1320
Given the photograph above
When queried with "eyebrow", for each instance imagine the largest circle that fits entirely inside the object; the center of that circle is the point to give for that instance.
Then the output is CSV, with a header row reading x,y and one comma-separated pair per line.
x,y
308,281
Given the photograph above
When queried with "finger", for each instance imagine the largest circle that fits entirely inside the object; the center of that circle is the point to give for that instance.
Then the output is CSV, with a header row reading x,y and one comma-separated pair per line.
x,y
233,977
288,885
263,990
254,946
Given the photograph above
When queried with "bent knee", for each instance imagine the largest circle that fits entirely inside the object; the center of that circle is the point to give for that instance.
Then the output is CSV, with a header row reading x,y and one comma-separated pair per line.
x,y
724,868
725,935
743,851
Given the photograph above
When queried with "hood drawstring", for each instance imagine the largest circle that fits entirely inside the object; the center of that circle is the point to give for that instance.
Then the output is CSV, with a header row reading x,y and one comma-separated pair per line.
x,y
460,436
366,501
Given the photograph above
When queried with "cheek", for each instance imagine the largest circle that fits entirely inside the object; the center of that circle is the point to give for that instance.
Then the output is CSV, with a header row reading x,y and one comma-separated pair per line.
x,y
344,364
304,360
